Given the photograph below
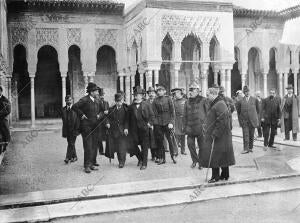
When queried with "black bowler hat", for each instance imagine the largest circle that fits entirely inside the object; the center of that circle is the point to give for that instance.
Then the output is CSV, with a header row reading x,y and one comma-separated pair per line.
x,y
92,87
160,87
119,97
289,87
246,88
138,90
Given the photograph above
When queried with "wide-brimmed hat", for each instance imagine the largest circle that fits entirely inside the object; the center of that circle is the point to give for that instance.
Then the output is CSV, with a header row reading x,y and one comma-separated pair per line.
x,y
150,89
119,97
289,87
176,89
246,88
92,87
160,87
138,90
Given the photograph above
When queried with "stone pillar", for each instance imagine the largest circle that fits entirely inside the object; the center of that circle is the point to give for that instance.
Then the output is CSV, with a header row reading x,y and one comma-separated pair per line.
x,y
295,71
204,74
285,82
91,76
32,94
222,77
9,89
86,79
280,84
64,91
228,83
127,88
121,83
265,76
243,78
156,76
216,77
148,79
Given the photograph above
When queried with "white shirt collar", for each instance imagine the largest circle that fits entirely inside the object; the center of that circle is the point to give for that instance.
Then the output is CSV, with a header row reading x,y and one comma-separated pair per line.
x,y
93,99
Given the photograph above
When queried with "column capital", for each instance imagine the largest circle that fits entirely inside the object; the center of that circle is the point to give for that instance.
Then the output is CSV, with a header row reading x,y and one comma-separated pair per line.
x,y
151,65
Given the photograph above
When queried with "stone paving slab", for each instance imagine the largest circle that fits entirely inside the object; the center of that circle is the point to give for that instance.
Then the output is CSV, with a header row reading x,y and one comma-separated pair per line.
x,y
142,201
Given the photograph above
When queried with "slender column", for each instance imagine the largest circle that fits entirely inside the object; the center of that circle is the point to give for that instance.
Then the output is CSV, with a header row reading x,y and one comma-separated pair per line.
x,y
91,76
243,78
216,77
285,81
121,82
132,84
142,80
156,76
9,89
280,84
127,88
32,94
265,76
86,79
204,74
222,77
228,83
176,77
148,79
295,82
64,91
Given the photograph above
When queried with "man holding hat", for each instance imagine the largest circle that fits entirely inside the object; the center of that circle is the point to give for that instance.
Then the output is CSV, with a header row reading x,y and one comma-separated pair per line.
x,y
153,146
117,123
247,110
179,102
290,112
195,112
164,121
88,110
141,117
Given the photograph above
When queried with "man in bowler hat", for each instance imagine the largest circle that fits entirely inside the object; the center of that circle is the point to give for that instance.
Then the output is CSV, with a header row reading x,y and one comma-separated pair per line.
x,y
88,110
247,109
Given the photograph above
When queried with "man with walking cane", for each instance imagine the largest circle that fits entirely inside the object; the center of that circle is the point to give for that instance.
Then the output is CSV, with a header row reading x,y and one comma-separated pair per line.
x,y
217,151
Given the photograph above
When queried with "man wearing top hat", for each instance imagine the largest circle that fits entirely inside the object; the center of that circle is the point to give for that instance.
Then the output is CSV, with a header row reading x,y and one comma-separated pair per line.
x,y
247,109
141,117
164,121
195,112
88,110
117,123
103,111
153,147
179,102
290,112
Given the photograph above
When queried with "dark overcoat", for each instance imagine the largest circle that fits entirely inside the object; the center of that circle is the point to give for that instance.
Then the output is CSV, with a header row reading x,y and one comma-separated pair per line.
x,y
164,111
152,141
179,115
5,109
71,127
295,113
259,114
217,125
118,120
248,111
271,110
103,106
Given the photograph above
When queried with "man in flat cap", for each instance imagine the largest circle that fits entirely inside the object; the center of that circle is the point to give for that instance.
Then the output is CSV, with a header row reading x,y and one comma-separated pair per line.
x,y
247,110
153,146
141,118
290,111
164,121
117,124
88,110
179,102
195,112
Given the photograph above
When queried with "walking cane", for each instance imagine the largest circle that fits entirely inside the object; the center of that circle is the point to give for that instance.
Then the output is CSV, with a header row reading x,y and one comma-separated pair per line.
x,y
107,136
211,151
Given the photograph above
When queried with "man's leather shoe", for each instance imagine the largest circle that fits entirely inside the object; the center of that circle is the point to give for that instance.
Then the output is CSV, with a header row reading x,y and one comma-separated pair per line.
x,y
183,153
66,161
200,167
193,165
273,147
95,164
245,152
121,165
87,170
213,180
74,159
93,168
161,162
139,163
143,167
173,159
224,178
250,151
157,160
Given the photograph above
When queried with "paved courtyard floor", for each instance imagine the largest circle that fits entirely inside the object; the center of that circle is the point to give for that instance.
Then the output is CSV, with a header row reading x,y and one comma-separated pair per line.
x,y
34,162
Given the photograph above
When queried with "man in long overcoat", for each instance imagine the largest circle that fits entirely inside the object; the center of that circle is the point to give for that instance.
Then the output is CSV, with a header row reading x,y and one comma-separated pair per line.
x,y
270,118
217,129
179,102
247,110
117,123
290,112
228,101
70,128
153,147
141,117
88,110
5,109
